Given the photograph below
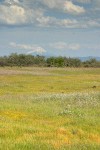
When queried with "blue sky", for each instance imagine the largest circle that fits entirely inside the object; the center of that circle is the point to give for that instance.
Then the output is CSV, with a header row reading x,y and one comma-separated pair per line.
x,y
50,27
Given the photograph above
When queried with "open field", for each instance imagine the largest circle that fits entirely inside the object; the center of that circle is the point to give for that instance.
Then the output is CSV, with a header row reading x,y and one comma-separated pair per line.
x,y
49,109
48,80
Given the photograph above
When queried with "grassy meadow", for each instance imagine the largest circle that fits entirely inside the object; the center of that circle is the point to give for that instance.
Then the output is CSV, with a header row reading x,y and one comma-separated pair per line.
x,y
49,108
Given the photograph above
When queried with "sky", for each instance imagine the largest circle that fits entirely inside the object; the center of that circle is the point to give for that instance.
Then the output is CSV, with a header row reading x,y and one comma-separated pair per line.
x,y
68,28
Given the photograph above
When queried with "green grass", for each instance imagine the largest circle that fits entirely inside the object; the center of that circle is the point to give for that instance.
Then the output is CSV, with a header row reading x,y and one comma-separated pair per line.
x,y
36,114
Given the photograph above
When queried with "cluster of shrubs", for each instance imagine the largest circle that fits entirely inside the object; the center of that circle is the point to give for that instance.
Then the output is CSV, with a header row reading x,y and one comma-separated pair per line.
x,y
30,60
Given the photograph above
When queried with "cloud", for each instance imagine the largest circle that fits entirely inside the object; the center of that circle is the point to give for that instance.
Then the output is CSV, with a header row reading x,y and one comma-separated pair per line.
x,y
52,21
12,15
31,16
12,12
93,23
83,1
65,13
73,9
64,5
12,1
65,46
91,46
29,48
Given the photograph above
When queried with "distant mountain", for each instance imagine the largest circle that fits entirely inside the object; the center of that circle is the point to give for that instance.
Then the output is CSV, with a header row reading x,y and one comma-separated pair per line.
x,y
81,58
88,58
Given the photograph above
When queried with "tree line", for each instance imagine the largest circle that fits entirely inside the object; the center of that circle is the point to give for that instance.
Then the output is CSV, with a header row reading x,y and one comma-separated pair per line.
x,y
30,60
